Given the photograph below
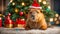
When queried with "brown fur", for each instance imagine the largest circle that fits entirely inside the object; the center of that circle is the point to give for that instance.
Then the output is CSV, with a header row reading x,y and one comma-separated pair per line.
x,y
39,22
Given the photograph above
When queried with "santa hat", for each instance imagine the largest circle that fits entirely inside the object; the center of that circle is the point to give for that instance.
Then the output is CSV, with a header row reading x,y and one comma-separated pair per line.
x,y
35,5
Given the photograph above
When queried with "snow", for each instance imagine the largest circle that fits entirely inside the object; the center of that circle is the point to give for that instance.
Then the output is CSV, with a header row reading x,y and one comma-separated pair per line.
x,y
54,30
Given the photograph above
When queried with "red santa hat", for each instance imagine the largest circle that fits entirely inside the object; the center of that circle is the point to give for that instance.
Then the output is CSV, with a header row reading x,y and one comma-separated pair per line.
x,y
35,5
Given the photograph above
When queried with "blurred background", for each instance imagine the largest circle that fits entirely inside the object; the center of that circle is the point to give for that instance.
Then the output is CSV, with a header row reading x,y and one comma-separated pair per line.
x,y
54,4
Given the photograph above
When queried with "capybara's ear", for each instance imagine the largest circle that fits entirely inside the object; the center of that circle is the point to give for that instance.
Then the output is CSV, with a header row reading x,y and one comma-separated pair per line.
x,y
40,11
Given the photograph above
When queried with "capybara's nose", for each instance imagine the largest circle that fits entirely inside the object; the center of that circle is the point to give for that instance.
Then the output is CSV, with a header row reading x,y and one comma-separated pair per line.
x,y
33,17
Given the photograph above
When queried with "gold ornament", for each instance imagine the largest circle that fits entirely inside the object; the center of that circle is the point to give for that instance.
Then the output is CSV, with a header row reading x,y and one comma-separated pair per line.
x,y
13,3
16,10
23,3
11,0
44,2
1,15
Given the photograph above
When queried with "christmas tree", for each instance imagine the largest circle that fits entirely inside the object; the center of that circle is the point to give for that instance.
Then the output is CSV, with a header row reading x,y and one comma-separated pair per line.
x,y
18,9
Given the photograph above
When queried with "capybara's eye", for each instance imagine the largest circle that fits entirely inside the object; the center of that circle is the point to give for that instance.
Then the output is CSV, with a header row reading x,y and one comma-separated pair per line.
x,y
30,12
37,11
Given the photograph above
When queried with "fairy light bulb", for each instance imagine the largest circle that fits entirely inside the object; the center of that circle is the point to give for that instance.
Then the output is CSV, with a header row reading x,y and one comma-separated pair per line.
x,y
13,3
56,15
55,19
57,22
49,7
44,2
16,10
40,0
51,19
11,0
22,19
23,3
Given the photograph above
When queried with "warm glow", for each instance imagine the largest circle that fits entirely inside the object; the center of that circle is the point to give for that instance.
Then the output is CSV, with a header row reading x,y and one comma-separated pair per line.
x,y
51,19
20,26
59,17
44,2
49,7
13,3
16,10
23,19
57,22
40,7
10,25
3,15
23,3
40,0
10,21
0,14
0,18
55,19
56,15
11,0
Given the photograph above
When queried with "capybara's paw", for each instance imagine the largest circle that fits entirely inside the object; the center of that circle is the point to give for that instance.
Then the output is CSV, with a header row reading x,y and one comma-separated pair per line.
x,y
44,27
27,28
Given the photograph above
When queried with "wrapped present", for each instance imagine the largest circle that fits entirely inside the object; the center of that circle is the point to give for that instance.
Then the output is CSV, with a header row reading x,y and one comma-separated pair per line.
x,y
20,23
8,22
0,22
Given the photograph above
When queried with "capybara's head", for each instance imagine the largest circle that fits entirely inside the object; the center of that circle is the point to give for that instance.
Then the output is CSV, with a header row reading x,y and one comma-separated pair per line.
x,y
34,14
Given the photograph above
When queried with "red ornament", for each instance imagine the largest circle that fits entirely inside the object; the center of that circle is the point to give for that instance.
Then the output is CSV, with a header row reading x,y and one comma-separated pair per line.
x,y
9,14
21,13
8,20
0,22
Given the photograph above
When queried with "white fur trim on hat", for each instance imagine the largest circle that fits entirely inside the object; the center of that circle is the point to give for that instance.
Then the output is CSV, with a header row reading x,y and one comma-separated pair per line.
x,y
35,7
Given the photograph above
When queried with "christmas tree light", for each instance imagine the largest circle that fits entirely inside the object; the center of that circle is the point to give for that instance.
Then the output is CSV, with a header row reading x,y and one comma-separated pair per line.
x,y
40,0
16,10
49,7
56,15
23,3
13,3
55,19
51,19
44,2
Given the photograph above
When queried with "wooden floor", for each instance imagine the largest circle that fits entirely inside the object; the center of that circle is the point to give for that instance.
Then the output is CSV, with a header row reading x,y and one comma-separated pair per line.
x,y
51,30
